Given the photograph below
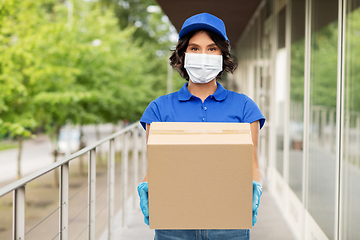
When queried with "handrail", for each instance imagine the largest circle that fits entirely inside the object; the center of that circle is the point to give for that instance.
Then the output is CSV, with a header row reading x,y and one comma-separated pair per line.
x,y
18,187
23,181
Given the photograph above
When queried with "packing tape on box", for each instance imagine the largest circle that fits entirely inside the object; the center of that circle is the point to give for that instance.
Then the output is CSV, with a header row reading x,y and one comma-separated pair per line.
x,y
199,132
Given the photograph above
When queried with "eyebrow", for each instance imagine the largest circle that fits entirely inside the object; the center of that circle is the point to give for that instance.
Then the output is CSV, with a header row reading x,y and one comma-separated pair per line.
x,y
194,44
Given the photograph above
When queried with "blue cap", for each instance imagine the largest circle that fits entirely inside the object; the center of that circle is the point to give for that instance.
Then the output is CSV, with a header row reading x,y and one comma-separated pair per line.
x,y
204,21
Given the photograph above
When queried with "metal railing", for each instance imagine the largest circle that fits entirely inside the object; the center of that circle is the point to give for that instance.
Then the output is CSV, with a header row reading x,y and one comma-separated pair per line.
x,y
132,140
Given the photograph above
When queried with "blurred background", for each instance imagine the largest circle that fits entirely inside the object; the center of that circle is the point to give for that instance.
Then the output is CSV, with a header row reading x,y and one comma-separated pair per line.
x,y
69,64
73,72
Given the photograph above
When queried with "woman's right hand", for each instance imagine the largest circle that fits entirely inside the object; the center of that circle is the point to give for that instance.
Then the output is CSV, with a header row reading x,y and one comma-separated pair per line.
x,y
143,190
257,191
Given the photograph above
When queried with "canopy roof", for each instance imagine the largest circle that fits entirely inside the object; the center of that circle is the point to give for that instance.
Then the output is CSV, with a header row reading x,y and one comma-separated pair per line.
x,y
235,13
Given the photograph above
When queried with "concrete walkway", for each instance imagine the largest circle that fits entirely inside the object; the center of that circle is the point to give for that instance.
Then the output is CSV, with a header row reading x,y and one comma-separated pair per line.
x,y
270,225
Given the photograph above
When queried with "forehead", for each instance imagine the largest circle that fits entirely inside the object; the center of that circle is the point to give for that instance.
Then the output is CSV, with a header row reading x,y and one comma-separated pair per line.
x,y
201,37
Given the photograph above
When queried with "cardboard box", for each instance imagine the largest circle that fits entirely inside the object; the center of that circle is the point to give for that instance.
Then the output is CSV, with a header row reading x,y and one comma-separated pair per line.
x,y
200,175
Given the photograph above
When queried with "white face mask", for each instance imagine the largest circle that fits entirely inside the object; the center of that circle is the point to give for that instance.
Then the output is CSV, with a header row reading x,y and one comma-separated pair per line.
x,y
202,68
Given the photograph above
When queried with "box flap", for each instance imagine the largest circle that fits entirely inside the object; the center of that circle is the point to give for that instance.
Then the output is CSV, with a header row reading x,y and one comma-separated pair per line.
x,y
201,133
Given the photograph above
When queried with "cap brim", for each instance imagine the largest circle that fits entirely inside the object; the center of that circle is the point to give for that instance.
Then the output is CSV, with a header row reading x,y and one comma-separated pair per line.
x,y
200,26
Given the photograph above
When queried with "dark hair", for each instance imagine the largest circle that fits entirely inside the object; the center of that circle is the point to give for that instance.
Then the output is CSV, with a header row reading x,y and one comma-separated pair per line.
x,y
178,55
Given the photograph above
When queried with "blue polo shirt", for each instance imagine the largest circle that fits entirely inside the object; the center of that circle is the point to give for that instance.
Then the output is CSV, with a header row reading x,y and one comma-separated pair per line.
x,y
222,106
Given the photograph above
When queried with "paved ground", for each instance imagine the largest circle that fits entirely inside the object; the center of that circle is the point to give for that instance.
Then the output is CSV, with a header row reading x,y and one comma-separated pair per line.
x,y
270,225
36,153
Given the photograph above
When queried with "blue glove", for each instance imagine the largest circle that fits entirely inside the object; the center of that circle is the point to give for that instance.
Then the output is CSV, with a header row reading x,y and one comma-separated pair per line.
x,y
143,190
257,191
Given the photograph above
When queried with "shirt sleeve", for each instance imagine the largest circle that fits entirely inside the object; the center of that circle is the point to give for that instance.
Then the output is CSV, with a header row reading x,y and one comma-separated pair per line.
x,y
151,114
252,113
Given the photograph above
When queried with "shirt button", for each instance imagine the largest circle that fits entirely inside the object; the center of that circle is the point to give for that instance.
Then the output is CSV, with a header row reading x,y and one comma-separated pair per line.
x,y
203,119
205,108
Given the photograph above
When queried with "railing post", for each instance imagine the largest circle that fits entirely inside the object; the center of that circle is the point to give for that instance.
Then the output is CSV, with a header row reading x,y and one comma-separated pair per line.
x,y
64,201
111,188
124,182
144,154
135,165
19,213
92,195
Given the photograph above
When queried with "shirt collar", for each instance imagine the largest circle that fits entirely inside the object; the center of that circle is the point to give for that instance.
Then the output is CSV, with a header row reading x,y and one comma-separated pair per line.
x,y
184,94
219,94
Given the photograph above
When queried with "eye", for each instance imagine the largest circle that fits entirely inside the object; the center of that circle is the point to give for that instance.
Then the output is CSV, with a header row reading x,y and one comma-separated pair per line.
x,y
194,49
212,49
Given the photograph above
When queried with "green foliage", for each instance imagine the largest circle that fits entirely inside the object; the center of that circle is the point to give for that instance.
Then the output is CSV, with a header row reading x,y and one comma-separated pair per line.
x,y
324,66
323,83
16,111
324,56
352,62
59,65
7,145
297,71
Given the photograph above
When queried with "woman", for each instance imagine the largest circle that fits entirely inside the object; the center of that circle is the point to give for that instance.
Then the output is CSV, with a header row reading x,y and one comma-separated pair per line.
x,y
201,56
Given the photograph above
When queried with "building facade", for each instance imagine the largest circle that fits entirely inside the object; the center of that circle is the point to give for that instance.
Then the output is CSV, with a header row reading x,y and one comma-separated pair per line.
x,y
298,59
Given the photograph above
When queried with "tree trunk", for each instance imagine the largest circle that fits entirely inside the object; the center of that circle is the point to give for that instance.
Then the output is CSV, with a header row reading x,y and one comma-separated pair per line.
x,y
20,142
81,158
56,153
98,138
114,128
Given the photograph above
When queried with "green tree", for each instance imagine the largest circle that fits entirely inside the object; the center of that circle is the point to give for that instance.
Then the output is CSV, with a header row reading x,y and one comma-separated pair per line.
x,y
62,62
16,110
153,32
352,62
